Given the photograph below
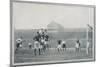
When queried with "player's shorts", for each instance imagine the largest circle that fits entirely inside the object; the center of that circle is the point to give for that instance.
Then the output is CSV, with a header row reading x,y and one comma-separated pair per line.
x,y
46,42
40,46
20,45
76,46
36,45
59,46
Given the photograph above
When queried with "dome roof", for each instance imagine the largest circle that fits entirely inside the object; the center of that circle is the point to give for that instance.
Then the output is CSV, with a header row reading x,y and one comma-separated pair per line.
x,y
55,26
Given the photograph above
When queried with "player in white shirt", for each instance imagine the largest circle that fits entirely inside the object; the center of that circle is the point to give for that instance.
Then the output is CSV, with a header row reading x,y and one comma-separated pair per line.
x,y
40,31
43,43
59,46
37,45
18,44
30,45
77,46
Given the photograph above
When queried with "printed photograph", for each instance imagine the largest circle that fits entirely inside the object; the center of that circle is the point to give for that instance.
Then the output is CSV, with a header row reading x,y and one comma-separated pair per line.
x,y
50,33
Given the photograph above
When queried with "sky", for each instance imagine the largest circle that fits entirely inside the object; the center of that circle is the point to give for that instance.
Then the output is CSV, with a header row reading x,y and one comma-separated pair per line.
x,y
35,16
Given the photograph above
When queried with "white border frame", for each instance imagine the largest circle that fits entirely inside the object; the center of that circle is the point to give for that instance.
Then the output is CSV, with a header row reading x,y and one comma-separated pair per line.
x,y
49,62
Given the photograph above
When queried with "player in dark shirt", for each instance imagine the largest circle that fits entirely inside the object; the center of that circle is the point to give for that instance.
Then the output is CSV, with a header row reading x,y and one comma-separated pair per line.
x,y
59,41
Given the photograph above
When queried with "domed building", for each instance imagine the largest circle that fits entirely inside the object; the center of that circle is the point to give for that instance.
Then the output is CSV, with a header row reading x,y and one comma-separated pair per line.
x,y
55,27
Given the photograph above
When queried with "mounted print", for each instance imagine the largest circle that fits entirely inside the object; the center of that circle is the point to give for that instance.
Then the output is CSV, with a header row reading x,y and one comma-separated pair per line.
x,y
46,33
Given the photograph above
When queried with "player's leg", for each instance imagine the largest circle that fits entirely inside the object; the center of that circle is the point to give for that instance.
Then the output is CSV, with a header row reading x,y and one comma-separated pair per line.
x,y
58,49
16,50
65,47
76,49
39,51
17,46
87,50
35,51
